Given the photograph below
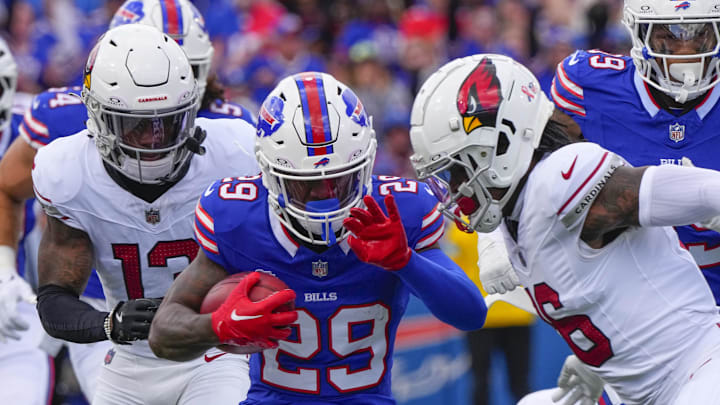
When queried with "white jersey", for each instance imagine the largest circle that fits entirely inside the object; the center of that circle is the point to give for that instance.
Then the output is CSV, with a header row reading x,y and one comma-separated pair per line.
x,y
637,310
139,247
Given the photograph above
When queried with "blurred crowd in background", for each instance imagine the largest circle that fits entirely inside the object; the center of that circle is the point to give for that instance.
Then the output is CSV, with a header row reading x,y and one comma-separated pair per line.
x,y
384,49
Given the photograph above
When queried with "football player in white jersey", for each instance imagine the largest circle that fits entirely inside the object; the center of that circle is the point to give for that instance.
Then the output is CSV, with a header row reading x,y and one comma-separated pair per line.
x,y
120,196
588,235
25,369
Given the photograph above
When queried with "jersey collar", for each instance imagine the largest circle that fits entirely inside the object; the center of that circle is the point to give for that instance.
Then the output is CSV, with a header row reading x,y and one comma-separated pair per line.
x,y
282,235
652,107
647,100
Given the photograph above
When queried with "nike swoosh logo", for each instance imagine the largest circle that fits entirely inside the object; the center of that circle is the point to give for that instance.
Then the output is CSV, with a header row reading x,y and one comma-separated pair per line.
x,y
573,59
566,175
208,192
235,317
208,359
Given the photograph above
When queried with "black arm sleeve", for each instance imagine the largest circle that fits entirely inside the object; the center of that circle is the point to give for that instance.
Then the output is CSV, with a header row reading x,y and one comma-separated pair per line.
x,y
65,317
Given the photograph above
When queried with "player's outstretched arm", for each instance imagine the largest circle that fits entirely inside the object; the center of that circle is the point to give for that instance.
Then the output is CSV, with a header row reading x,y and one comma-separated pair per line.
x,y
381,241
180,333
666,195
15,187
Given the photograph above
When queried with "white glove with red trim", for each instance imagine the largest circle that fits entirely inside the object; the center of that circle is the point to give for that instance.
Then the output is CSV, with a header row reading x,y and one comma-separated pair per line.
x,y
496,272
577,384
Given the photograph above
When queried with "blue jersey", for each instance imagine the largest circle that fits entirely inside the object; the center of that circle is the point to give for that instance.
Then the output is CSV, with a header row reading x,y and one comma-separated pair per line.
x,y
342,344
57,113
226,109
613,106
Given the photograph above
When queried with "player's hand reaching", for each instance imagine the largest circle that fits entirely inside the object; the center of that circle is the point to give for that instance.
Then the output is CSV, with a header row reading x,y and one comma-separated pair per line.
x,y
13,289
378,239
130,320
240,321
496,272
577,384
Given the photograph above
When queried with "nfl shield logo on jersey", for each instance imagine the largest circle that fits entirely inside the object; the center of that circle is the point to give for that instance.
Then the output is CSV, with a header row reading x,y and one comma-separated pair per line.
x,y
677,132
152,216
109,356
320,269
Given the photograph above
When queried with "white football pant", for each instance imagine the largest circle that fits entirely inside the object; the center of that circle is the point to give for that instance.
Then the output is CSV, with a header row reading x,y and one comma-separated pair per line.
x,y
134,380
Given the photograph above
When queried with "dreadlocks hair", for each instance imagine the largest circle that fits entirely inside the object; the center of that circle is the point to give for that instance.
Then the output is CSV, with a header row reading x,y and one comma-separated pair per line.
x,y
553,138
213,91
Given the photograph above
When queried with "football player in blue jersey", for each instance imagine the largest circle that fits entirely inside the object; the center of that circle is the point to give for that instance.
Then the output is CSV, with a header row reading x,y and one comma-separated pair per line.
x,y
25,369
658,105
352,268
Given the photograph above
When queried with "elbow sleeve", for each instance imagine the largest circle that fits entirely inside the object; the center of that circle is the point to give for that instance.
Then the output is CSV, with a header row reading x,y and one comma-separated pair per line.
x,y
675,195
64,316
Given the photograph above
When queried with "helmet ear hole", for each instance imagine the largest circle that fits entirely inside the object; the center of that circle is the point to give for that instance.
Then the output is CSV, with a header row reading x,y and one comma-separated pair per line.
x,y
503,144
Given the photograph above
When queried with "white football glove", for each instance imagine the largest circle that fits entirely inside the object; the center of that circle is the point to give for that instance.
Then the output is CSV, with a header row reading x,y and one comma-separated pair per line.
x,y
712,223
496,273
13,289
577,384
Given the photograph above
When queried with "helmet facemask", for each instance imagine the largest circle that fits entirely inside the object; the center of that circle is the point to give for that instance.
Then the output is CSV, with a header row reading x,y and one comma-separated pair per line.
x,y
313,204
675,55
461,181
8,83
145,146
7,92
201,71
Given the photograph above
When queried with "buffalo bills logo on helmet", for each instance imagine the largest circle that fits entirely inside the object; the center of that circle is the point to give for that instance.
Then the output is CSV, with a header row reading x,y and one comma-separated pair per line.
x,y
354,108
271,116
322,162
682,6
197,16
479,97
130,13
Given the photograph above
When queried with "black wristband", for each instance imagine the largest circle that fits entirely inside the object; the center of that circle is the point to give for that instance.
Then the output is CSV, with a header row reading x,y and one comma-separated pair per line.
x,y
65,317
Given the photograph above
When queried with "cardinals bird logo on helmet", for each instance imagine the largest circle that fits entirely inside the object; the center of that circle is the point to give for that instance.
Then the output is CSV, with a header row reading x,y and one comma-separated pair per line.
x,y
480,97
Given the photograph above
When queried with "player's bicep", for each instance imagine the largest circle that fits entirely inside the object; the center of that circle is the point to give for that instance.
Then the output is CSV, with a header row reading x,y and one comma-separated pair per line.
x,y
191,286
616,206
65,256
16,169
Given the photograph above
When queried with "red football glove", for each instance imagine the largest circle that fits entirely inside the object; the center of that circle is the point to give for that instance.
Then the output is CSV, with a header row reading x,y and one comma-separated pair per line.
x,y
240,321
377,239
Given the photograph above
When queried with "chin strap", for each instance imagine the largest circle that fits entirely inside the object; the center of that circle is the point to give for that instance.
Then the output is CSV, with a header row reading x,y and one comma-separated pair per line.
x,y
194,143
